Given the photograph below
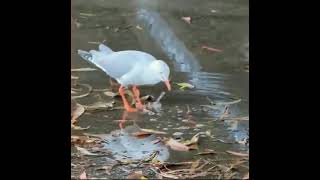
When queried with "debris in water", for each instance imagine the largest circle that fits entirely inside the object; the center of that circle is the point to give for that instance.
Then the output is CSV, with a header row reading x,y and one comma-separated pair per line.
x,y
77,112
184,85
138,27
238,154
211,49
85,152
87,14
206,152
78,127
83,176
187,19
175,145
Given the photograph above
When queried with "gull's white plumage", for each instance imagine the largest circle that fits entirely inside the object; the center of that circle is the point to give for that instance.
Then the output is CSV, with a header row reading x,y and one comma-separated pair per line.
x,y
128,67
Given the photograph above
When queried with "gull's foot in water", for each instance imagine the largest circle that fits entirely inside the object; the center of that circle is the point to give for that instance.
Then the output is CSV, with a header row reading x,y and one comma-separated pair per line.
x,y
140,106
130,109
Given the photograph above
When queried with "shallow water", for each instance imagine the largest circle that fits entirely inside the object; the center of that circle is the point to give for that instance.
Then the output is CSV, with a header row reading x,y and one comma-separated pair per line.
x,y
218,75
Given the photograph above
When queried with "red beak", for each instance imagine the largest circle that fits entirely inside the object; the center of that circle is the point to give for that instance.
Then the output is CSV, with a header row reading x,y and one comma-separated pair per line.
x,y
168,85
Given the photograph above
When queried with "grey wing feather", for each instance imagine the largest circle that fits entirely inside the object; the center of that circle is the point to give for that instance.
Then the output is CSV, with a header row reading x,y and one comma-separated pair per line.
x,y
119,63
104,49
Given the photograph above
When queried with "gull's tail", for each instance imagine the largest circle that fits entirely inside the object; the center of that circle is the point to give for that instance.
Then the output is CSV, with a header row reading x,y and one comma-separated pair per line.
x,y
93,55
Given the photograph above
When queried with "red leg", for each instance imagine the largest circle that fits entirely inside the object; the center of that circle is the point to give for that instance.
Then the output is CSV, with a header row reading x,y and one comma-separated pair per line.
x,y
125,102
136,94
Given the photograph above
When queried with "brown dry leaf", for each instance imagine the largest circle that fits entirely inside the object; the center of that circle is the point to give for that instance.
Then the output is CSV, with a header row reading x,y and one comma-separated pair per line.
x,y
78,111
194,140
238,154
83,176
82,140
194,165
175,145
83,69
207,151
141,134
151,131
168,175
211,49
193,147
147,132
85,152
135,175
246,176
187,19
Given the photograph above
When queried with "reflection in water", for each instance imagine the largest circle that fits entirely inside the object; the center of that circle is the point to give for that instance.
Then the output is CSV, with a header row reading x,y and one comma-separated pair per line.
x,y
124,145
184,61
207,84
160,31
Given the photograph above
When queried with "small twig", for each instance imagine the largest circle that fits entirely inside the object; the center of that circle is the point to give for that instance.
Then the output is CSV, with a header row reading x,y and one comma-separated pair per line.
x,y
160,97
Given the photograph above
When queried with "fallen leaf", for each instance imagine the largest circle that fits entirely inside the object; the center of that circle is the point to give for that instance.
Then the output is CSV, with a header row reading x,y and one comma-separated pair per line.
x,y
78,127
207,151
141,134
151,131
194,140
85,152
187,19
246,176
83,176
74,77
138,27
78,111
99,105
238,154
175,145
82,140
87,14
194,165
185,85
211,49
193,147
83,69
111,94
168,175
135,175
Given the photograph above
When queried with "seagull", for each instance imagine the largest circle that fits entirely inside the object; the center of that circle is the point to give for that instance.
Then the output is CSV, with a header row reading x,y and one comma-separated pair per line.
x,y
129,68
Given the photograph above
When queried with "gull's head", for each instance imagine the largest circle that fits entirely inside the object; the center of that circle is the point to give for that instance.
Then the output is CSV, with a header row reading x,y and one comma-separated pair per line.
x,y
161,71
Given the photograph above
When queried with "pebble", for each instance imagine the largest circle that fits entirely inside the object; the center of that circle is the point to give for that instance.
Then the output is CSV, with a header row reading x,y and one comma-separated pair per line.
x,y
177,135
199,125
185,120
179,111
